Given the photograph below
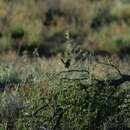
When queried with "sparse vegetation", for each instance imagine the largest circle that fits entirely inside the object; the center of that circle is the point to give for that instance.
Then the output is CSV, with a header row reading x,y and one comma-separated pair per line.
x,y
42,94
62,65
97,25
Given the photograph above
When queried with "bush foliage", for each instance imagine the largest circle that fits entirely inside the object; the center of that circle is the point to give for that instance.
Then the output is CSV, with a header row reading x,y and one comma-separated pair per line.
x,y
49,97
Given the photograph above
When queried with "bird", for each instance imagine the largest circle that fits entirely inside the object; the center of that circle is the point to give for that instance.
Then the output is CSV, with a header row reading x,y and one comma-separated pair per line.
x,y
66,63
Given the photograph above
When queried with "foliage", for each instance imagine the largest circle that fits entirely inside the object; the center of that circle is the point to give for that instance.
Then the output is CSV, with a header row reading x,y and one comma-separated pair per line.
x,y
50,97
8,76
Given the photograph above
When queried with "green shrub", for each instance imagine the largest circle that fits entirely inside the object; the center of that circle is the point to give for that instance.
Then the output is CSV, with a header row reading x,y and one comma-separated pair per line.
x,y
8,76
77,99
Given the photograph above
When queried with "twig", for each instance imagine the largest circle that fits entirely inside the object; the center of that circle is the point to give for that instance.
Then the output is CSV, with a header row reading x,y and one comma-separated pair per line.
x,y
58,120
111,65
60,115
70,71
74,79
114,82
39,109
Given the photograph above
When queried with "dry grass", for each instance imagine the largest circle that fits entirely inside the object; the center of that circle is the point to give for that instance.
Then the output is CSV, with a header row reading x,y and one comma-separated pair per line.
x,y
76,17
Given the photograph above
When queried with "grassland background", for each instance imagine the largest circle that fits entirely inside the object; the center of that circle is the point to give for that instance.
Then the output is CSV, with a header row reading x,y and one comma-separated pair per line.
x,y
37,91
98,25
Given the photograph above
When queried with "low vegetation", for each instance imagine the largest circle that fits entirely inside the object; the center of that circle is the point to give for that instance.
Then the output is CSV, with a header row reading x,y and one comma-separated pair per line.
x,y
64,65
41,94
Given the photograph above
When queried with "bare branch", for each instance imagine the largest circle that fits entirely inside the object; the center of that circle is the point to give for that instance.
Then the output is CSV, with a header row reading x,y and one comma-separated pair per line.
x,y
41,108
70,71
74,79
111,65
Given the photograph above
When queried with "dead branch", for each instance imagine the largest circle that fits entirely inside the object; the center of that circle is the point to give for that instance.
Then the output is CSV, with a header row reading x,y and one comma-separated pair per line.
x,y
111,65
75,70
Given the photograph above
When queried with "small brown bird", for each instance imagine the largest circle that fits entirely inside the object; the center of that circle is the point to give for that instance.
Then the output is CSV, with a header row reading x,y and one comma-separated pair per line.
x,y
66,63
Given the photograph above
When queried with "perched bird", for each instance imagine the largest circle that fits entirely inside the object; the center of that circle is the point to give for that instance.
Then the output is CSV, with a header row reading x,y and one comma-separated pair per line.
x,y
66,63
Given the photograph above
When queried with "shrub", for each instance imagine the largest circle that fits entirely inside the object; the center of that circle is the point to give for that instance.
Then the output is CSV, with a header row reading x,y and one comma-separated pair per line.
x,y
8,76
78,100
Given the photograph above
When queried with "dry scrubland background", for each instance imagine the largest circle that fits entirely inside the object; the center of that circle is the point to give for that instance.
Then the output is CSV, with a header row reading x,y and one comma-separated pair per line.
x,y
37,92
100,25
